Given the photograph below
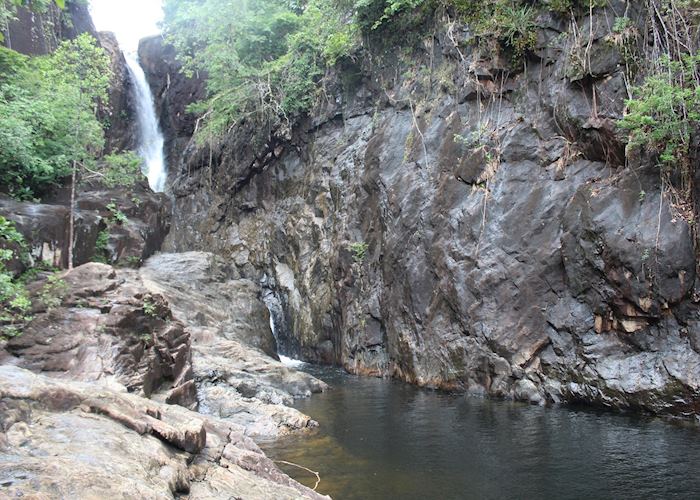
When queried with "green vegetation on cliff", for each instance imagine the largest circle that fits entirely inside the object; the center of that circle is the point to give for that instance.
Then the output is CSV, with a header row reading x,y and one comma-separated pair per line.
x,y
263,59
48,119
269,61
14,300
47,114
266,60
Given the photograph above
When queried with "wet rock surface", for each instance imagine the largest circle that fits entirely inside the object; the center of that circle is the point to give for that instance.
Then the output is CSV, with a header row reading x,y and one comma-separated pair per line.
x,y
37,33
401,239
120,132
173,92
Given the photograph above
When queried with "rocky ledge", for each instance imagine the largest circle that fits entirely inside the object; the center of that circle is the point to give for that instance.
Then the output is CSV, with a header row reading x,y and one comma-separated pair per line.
x,y
64,439
85,390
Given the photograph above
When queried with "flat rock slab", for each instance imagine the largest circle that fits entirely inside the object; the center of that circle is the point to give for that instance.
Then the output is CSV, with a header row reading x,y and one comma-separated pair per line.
x,y
64,439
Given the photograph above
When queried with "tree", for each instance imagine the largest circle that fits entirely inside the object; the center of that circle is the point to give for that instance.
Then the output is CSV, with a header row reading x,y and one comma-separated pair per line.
x,y
86,70
42,102
263,59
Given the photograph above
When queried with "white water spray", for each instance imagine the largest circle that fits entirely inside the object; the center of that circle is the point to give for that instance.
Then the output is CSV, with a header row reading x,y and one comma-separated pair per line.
x,y
150,137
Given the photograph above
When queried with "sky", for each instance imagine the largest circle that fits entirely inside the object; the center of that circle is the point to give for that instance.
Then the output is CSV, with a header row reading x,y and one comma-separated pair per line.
x,y
130,20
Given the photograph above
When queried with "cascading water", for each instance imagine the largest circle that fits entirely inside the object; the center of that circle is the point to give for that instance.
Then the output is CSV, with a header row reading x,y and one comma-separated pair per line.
x,y
150,137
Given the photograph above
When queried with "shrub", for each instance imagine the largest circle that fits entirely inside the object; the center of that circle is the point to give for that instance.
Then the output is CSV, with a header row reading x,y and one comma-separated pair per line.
x,y
118,217
14,301
359,250
663,115
101,253
52,293
121,169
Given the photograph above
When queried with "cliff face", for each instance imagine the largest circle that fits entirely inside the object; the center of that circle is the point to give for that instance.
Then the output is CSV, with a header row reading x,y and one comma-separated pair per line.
x,y
36,33
120,132
461,221
173,92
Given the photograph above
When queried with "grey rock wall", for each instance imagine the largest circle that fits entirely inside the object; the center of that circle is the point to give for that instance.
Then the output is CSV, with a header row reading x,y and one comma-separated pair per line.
x,y
509,249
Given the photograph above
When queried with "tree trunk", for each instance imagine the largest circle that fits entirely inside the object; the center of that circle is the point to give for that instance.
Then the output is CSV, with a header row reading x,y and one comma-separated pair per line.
x,y
71,222
74,178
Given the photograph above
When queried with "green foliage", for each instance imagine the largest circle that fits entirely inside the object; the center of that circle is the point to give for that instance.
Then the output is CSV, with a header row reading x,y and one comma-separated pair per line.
x,y
53,292
101,253
121,169
149,307
14,301
132,261
359,251
566,6
371,14
621,24
118,217
663,116
510,22
263,59
47,118
9,234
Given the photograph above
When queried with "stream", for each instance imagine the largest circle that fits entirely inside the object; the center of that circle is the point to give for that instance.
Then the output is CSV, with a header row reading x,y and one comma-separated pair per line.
x,y
383,439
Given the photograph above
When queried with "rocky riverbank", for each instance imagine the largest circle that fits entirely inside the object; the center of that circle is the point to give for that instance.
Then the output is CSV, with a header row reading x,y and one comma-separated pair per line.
x,y
111,392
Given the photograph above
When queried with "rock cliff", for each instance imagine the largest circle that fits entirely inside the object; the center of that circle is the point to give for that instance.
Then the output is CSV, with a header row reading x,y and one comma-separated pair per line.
x,y
460,220
39,31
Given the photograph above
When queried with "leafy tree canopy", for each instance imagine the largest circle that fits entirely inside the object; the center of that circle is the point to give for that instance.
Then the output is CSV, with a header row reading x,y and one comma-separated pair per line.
x,y
47,114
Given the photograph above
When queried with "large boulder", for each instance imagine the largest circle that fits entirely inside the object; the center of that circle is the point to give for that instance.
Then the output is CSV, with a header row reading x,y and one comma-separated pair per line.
x,y
45,226
234,372
147,220
97,325
46,230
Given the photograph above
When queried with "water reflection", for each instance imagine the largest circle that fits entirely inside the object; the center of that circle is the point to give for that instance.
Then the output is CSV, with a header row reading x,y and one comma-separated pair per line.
x,y
381,439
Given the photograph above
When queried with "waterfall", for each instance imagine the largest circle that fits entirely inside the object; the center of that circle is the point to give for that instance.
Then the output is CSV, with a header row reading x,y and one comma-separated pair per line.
x,y
150,137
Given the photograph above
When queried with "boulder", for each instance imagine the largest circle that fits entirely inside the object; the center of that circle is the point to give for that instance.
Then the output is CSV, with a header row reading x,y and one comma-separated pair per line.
x,y
232,343
97,325
45,228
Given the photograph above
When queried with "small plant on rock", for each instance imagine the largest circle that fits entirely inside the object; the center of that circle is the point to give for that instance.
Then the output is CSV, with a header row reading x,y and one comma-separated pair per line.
x,y
118,217
53,292
149,307
14,300
101,247
359,251
665,111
